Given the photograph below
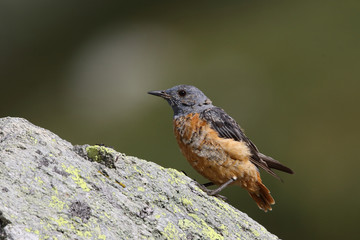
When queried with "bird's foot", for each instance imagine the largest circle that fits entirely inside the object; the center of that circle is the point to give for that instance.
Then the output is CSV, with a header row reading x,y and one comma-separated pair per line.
x,y
217,190
210,192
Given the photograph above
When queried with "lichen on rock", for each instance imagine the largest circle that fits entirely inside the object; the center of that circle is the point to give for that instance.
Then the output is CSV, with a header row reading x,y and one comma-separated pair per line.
x,y
50,189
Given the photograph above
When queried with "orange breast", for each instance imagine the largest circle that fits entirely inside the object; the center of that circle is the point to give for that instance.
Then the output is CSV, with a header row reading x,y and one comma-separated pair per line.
x,y
215,158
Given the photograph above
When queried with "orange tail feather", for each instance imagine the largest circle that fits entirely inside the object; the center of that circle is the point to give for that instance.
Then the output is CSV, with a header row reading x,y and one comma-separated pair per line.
x,y
262,196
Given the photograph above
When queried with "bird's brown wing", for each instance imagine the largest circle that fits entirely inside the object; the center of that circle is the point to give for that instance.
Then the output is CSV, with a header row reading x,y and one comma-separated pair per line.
x,y
227,127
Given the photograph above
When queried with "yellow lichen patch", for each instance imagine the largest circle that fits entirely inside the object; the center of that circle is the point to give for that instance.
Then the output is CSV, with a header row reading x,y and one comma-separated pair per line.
x,y
187,224
141,172
86,230
44,226
226,206
195,217
140,189
263,229
96,152
37,232
34,140
102,237
76,177
107,215
205,229
25,189
61,222
175,208
38,179
174,177
171,232
186,201
224,229
83,234
162,197
197,188
256,233
56,203
238,236
138,170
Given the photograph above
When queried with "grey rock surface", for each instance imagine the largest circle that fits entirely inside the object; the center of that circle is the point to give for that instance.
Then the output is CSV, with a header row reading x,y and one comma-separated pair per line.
x,y
50,189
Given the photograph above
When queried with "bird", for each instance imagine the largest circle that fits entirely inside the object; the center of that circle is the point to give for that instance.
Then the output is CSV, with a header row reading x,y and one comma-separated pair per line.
x,y
215,145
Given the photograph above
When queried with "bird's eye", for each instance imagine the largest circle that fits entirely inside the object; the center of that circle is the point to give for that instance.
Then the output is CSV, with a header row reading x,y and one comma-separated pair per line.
x,y
182,93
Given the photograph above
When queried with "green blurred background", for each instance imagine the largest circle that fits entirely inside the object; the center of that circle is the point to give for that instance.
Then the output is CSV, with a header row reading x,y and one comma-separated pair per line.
x,y
287,71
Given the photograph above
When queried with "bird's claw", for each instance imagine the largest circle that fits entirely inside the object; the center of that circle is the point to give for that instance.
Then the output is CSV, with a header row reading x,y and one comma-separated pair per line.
x,y
211,192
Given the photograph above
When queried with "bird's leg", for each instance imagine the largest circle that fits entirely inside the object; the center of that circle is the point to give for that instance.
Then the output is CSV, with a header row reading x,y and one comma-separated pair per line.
x,y
217,190
208,191
208,184
224,185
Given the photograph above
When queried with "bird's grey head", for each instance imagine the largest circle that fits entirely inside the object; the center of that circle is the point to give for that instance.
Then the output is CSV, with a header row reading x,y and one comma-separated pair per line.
x,y
184,99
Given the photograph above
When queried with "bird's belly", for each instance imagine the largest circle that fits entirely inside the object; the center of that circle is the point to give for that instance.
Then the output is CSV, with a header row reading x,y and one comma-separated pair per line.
x,y
208,154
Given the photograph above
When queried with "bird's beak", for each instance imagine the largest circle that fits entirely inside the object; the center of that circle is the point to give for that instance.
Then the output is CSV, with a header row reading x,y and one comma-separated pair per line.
x,y
160,93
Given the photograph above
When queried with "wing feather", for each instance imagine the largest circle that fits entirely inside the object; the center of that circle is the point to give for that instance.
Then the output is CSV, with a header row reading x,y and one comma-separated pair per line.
x,y
227,127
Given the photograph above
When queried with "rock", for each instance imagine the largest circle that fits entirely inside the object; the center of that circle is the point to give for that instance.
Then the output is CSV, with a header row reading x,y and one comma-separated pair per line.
x,y
50,189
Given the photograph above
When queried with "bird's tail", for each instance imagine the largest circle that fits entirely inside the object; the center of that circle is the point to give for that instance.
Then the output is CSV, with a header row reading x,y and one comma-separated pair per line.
x,y
262,196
